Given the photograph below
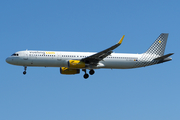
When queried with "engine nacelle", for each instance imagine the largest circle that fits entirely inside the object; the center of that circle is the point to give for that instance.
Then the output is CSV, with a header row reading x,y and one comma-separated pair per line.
x,y
76,64
67,71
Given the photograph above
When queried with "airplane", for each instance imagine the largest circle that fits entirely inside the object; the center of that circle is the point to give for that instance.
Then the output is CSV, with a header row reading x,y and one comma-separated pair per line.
x,y
71,63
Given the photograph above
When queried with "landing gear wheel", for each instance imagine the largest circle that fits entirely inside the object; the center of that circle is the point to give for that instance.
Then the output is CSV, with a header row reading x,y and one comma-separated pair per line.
x,y
24,72
25,68
86,76
91,72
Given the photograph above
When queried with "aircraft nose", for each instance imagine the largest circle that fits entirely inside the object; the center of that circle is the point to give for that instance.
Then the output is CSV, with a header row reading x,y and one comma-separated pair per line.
x,y
8,60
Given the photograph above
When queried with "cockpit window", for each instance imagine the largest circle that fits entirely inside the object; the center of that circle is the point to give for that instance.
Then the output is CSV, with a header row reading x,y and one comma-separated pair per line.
x,y
15,54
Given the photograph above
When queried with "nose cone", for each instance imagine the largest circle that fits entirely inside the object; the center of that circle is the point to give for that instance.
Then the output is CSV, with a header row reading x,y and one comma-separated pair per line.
x,y
8,60
11,60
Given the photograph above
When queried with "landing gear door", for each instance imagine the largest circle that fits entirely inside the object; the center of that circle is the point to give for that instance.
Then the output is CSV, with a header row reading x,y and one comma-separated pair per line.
x,y
25,55
59,57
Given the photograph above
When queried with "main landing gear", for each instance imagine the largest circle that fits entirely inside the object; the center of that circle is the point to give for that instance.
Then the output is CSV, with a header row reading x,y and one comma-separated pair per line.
x,y
25,68
91,72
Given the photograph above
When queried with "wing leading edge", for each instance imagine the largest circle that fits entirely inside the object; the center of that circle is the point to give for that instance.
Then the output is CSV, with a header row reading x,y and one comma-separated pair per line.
x,y
95,58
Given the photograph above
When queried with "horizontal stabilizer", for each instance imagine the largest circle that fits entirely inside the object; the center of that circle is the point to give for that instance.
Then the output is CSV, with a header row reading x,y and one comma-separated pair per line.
x,y
164,56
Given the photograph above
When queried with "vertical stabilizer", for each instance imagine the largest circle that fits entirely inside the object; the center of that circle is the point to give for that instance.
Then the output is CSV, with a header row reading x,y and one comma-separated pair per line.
x,y
154,53
158,47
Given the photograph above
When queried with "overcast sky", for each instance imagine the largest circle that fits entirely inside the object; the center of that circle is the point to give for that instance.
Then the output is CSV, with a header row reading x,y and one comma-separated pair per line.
x,y
150,93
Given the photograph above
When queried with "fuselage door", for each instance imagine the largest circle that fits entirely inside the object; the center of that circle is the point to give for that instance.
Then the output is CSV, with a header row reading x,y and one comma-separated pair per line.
x,y
25,57
59,56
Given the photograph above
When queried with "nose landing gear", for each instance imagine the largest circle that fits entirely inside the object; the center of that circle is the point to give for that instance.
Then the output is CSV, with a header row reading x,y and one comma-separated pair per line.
x,y
25,68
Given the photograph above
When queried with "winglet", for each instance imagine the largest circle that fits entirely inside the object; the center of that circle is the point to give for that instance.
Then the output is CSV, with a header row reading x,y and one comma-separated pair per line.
x,y
120,41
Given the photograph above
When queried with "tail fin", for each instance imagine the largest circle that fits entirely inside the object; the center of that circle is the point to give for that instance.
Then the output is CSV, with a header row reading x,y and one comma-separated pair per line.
x,y
158,47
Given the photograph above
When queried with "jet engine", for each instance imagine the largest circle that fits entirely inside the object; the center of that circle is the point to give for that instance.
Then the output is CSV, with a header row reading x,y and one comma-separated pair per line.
x,y
76,64
67,71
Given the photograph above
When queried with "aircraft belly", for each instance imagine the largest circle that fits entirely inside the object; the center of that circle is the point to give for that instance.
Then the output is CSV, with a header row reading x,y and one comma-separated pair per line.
x,y
44,62
119,64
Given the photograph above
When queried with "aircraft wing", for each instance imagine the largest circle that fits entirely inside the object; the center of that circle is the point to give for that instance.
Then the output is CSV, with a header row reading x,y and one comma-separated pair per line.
x,y
95,58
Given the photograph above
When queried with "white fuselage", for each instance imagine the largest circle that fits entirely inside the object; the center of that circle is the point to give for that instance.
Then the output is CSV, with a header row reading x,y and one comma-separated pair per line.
x,y
60,59
72,62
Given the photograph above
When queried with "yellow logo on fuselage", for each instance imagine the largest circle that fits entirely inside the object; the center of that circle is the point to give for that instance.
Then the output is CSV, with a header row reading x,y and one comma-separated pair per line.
x,y
160,41
50,52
